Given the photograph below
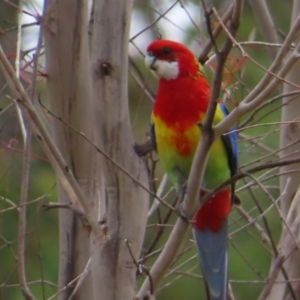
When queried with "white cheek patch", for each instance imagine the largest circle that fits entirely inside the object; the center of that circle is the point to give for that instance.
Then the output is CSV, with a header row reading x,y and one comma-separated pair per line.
x,y
165,69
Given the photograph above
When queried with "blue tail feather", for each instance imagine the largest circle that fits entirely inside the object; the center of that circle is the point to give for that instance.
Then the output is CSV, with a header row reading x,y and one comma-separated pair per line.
x,y
212,248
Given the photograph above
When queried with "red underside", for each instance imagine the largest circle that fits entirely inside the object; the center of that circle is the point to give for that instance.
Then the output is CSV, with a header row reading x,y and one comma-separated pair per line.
x,y
214,211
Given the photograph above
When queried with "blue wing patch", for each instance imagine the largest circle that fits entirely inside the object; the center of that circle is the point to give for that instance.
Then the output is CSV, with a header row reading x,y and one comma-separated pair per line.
x,y
230,141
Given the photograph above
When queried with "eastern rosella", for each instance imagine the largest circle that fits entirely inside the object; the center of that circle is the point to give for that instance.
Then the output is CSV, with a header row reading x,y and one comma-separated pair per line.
x,y
181,103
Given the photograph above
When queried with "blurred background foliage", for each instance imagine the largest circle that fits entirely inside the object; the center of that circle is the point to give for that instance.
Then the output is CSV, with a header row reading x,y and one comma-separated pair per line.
x,y
250,253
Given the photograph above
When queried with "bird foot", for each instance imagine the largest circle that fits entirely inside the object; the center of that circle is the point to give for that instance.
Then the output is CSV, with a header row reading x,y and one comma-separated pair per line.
x,y
181,213
143,149
181,193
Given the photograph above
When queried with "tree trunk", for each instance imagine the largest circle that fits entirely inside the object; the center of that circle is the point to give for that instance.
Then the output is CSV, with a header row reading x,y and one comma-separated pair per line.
x,y
70,98
112,265
289,183
111,188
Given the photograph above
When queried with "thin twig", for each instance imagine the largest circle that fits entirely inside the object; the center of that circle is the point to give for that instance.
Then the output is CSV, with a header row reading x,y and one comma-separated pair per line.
x,y
153,23
83,276
17,206
63,172
22,218
266,85
203,57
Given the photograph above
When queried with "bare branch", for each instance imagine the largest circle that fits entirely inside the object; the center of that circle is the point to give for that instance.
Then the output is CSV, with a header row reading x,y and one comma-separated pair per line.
x,y
203,57
266,24
272,277
265,87
82,277
154,22
22,219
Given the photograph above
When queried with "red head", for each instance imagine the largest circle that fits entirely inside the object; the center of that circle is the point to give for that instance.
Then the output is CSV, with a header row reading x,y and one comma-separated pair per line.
x,y
171,60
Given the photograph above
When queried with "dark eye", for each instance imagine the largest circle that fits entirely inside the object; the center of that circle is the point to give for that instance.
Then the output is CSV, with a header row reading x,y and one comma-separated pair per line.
x,y
166,50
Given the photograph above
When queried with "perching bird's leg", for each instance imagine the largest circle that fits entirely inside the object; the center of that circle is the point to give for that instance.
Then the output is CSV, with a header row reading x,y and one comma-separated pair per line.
x,y
143,149
179,209
181,193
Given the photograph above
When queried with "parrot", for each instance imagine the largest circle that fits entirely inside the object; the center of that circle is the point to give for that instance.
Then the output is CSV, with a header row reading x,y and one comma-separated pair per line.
x,y
180,106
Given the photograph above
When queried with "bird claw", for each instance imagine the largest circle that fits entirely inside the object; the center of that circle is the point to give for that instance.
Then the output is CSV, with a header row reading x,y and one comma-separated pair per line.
x,y
182,214
143,149
181,193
